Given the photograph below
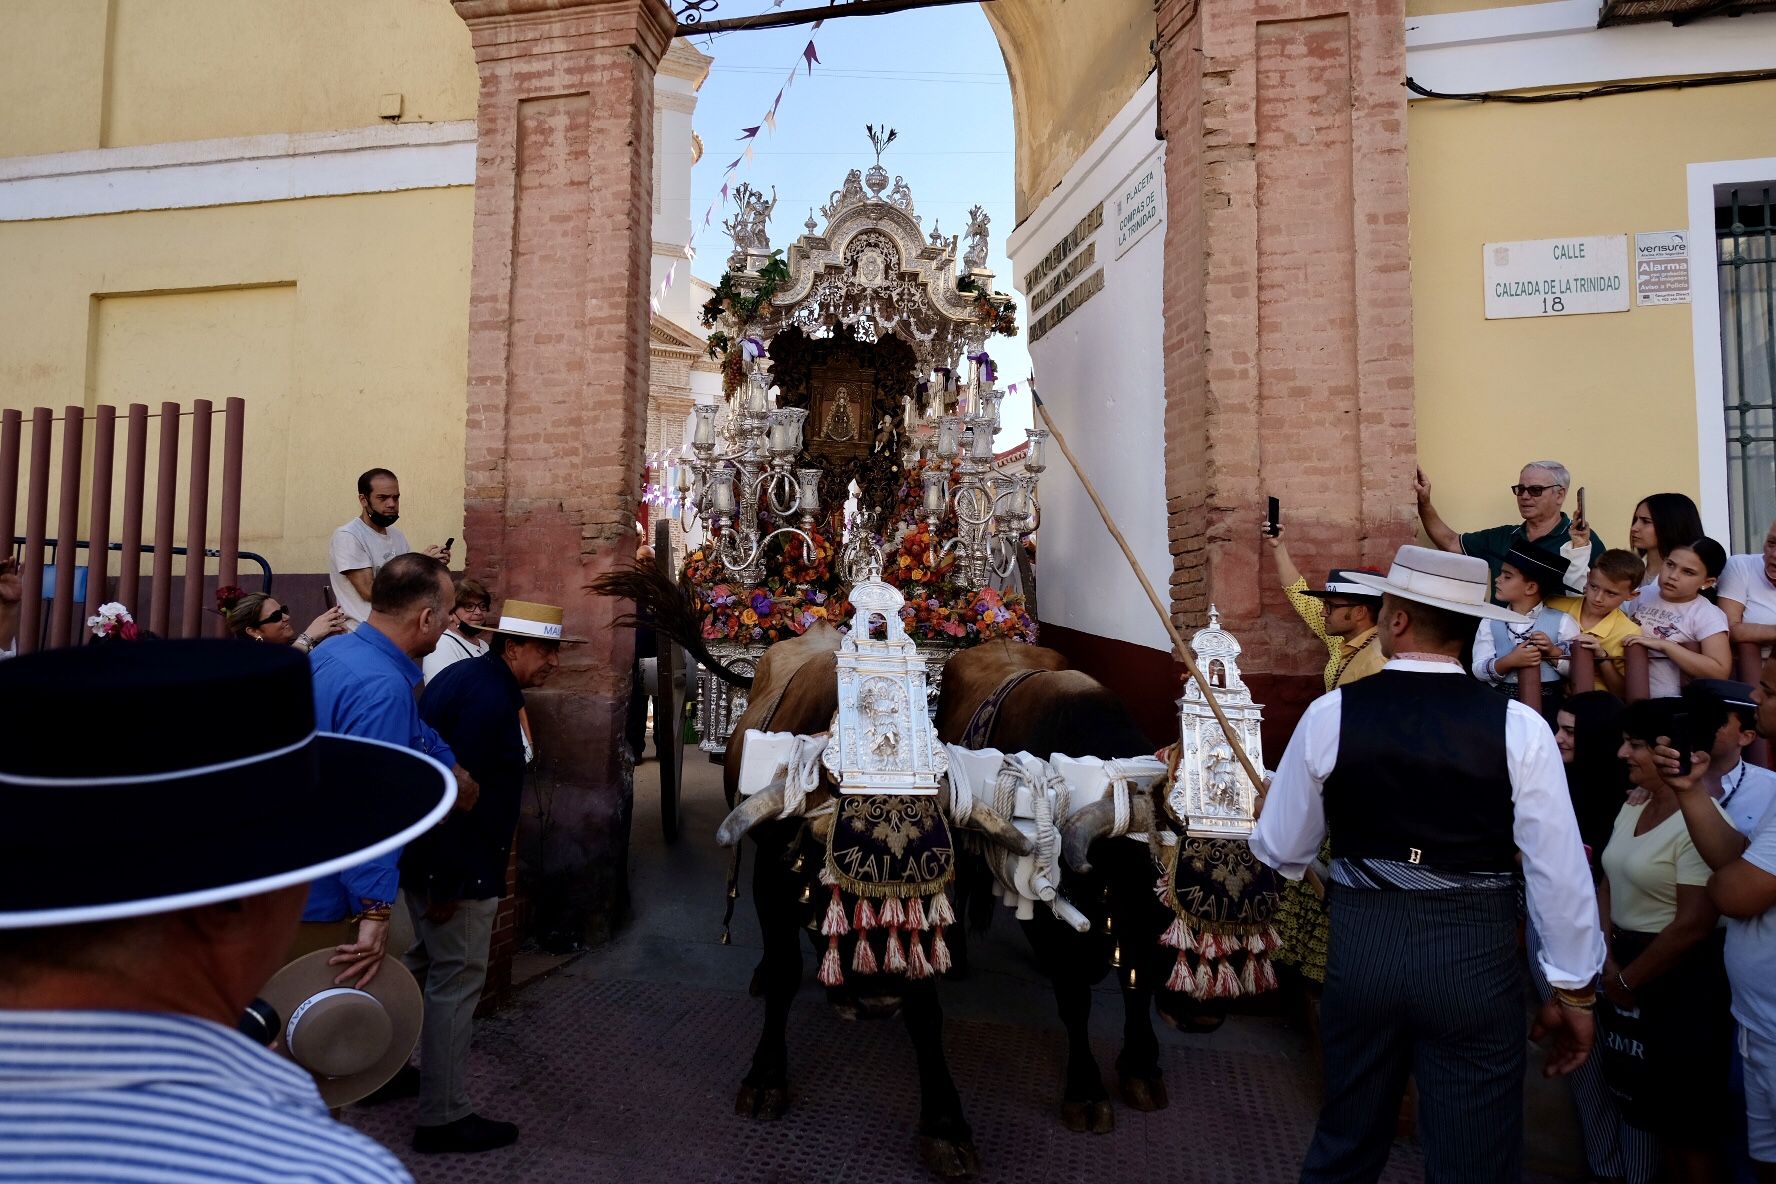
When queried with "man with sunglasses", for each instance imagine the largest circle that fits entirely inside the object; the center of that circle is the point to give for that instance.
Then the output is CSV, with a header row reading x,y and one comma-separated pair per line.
x,y
1540,492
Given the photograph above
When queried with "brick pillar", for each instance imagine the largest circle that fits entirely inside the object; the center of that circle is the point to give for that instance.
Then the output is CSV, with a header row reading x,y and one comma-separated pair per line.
x,y
558,379
1288,307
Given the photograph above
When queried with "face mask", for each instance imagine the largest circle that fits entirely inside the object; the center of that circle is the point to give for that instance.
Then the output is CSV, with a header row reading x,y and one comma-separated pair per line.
x,y
467,630
382,521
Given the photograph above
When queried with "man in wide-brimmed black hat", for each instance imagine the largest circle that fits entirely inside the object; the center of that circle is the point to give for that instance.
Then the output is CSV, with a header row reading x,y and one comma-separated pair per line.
x,y
162,810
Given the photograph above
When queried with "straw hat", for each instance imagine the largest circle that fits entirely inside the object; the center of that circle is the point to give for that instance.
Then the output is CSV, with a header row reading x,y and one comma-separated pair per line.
x,y
1455,583
538,622
351,1041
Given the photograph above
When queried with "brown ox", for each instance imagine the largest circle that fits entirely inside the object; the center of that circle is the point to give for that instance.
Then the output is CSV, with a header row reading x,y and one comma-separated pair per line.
x,y
796,690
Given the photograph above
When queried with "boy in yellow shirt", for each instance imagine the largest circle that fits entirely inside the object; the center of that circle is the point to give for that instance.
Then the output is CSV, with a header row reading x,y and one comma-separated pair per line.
x,y
1602,623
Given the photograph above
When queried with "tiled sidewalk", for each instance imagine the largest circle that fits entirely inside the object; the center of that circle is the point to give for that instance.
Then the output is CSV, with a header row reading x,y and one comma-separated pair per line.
x,y
622,1066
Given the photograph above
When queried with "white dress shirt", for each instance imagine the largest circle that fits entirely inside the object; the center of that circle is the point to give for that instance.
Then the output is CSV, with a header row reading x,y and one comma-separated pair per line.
x,y
1562,902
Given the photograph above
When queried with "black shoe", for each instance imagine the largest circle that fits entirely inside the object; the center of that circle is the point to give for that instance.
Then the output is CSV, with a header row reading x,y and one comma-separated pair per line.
x,y
404,1084
465,1135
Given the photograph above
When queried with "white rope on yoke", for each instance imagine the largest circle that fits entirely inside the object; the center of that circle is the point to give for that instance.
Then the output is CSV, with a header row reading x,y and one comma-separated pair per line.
x,y
802,775
1119,797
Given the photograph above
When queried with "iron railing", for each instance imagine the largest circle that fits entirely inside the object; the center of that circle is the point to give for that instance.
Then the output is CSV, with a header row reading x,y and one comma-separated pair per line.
x,y
1745,253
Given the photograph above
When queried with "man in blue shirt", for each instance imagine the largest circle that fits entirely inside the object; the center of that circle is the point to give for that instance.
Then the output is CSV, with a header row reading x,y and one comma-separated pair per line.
x,y
364,686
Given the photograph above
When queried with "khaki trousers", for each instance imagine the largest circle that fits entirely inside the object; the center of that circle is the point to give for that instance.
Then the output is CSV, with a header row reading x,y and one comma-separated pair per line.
x,y
450,961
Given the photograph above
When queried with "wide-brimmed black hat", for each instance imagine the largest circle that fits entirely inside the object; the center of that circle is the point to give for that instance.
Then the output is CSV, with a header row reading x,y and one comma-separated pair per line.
x,y
1340,584
146,779
1547,568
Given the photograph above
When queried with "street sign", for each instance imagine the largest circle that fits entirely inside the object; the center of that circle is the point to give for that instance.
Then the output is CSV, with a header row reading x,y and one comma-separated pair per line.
x,y
1556,277
1662,267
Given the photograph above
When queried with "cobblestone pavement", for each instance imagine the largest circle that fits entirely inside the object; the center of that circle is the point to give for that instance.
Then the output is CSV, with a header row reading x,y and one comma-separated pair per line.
x,y
622,1066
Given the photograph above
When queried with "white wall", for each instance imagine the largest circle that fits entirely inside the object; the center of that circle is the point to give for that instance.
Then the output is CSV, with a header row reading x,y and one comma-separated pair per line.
x,y
1100,374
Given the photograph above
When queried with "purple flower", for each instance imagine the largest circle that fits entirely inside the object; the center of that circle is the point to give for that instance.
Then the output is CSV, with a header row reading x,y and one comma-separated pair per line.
x,y
805,620
762,603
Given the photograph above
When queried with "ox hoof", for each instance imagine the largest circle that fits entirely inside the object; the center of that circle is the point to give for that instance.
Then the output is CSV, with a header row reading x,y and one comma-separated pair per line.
x,y
1145,1094
949,1158
1095,1118
765,1103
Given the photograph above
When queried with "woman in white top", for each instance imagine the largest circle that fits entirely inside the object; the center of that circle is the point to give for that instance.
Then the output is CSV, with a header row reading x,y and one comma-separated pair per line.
x,y
1748,594
462,637
1676,613
1665,1026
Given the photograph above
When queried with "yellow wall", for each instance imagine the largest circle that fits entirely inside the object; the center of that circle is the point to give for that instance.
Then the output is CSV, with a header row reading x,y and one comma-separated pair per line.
x,y
1611,395
107,73
342,321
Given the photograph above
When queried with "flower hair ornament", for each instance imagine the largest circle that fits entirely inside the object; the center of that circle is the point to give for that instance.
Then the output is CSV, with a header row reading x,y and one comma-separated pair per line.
x,y
227,597
113,620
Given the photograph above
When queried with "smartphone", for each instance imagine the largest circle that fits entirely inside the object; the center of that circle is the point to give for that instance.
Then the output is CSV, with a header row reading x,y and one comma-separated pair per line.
x,y
1683,741
1273,516
449,542
1582,520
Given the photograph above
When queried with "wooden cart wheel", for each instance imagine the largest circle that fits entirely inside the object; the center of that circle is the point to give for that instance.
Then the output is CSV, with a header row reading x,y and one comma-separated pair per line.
x,y
669,700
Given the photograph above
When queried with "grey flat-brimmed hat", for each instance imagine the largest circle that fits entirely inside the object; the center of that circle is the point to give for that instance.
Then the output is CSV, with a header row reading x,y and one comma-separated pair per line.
x,y
1455,583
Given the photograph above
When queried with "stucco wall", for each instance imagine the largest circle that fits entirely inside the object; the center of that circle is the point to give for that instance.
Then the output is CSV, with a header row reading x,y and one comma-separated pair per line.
x,y
104,73
1073,66
1615,395
1102,381
342,321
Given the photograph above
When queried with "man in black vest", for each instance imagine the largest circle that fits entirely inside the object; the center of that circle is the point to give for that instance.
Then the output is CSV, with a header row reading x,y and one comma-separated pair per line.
x,y
1433,784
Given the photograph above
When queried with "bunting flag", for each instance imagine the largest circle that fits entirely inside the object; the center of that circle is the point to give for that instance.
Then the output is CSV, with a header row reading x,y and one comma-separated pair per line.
x,y
809,57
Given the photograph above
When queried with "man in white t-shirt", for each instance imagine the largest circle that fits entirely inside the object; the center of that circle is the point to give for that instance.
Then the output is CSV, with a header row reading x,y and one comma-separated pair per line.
x,y
363,545
1747,594
1743,790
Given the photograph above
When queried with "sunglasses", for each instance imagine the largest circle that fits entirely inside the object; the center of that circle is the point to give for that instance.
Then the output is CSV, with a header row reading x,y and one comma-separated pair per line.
x,y
1533,490
282,614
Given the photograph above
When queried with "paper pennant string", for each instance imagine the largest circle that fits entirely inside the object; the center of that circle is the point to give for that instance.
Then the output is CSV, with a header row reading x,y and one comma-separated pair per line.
x,y
808,57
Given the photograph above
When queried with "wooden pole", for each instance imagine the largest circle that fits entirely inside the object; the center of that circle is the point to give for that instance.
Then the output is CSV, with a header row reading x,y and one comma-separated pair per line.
x,y
1165,617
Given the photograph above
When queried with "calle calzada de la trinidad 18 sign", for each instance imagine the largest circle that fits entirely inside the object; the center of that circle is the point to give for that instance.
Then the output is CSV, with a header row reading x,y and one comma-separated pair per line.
x,y
1557,277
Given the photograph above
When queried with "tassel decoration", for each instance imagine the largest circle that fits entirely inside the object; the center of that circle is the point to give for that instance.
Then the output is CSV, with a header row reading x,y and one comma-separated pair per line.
x,y
893,954
830,973
940,952
1201,983
1209,946
1180,982
863,918
863,958
891,915
1267,975
941,914
915,916
826,876
1176,936
834,925
918,966
1249,975
1227,983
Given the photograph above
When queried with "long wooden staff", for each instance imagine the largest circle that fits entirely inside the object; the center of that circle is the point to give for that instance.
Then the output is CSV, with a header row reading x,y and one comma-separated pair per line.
x,y
1165,617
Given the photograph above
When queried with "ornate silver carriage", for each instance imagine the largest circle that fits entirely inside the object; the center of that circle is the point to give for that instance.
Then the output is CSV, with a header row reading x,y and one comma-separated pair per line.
x,y
857,427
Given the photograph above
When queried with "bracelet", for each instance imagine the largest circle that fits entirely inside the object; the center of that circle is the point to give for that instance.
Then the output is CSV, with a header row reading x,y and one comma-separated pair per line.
x,y
305,641
1623,983
1577,1000
375,910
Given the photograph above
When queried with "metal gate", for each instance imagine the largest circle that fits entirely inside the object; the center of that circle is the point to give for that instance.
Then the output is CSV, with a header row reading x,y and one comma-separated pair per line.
x,y
1746,264
50,568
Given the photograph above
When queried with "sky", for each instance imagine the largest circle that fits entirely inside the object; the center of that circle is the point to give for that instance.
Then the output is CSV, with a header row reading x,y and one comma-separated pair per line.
x,y
935,75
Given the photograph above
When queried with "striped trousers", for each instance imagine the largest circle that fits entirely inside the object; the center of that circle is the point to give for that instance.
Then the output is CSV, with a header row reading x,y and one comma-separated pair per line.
x,y
1425,984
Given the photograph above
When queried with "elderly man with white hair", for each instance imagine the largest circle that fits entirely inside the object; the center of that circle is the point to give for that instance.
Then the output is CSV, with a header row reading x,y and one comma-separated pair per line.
x,y
1540,492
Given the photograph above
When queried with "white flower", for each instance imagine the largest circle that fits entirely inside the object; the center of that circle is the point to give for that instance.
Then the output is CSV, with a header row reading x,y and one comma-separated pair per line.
x,y
111,615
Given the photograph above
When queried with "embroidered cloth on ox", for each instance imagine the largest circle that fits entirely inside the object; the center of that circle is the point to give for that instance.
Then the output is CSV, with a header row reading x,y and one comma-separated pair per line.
x,y
1223,902
890,846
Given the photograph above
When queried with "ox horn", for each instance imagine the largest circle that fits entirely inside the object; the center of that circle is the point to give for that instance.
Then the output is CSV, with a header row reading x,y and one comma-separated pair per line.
x,y
989,824
762,806
1093,822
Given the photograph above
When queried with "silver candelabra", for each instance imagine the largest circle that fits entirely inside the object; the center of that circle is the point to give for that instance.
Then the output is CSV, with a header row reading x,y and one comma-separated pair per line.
x,y
993,511
750,472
